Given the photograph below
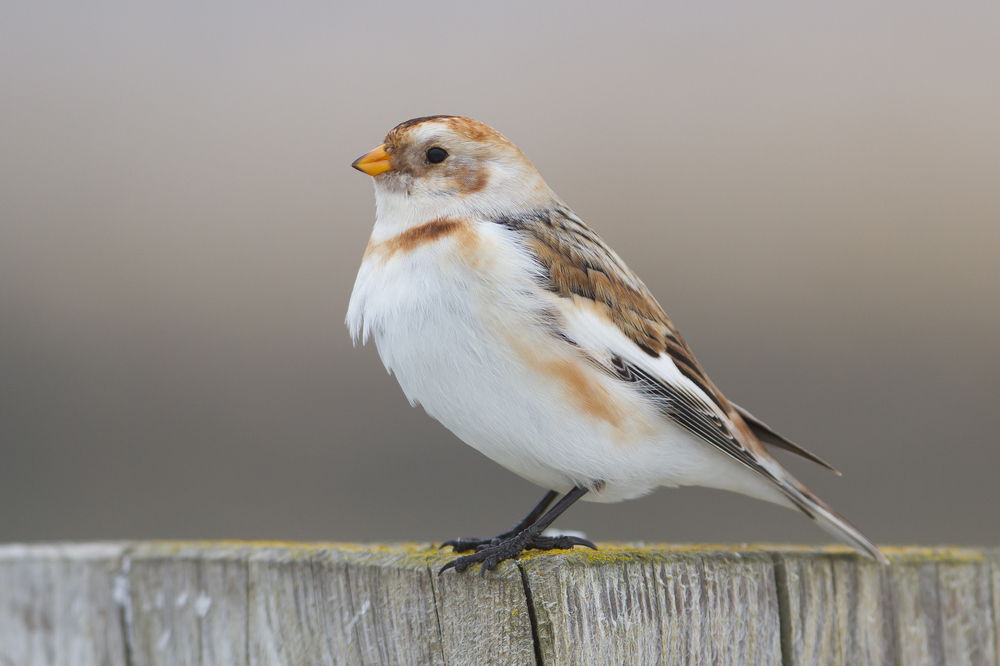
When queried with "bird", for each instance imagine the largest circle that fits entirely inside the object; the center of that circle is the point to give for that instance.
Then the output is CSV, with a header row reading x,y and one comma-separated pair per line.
x,y
511,322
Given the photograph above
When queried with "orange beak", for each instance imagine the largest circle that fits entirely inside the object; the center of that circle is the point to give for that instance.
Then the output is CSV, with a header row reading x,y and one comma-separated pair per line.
x,y
373,163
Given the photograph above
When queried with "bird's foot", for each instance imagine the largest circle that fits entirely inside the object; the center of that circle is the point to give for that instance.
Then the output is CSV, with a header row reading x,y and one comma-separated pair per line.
x,y
492,553
468,544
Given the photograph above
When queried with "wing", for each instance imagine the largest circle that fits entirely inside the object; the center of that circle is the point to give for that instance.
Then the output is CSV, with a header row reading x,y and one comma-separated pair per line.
x,y
764,433
575,263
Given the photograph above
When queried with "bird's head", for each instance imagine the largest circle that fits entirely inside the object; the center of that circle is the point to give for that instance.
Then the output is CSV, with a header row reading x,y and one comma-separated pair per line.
x,y
448,165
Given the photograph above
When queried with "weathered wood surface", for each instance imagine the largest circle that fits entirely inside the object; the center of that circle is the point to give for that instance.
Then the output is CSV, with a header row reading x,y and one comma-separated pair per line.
x,y
57,605
146,603
645,607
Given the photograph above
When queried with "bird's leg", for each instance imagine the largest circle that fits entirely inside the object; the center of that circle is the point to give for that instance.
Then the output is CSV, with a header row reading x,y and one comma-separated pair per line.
x,y
531,537
466,544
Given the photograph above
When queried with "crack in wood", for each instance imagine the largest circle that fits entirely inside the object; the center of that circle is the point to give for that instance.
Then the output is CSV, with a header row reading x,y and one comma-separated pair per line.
x,y
113,604
784,612
531,615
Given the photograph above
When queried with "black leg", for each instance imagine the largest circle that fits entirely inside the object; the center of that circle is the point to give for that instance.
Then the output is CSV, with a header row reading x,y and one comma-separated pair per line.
x,y
467,544
493,554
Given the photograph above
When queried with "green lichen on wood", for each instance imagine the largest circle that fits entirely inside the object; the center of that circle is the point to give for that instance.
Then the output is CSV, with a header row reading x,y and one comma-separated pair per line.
x,y
287,602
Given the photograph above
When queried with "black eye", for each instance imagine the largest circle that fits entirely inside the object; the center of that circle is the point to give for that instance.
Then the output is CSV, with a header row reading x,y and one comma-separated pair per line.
x,y
436,155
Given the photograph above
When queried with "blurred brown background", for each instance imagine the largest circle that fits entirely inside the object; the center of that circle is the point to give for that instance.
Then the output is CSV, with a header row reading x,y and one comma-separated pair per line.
x,y
811,190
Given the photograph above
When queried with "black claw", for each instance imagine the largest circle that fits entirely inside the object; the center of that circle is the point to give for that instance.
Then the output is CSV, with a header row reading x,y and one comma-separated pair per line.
x,y
525,536
567,543
457,564
490,556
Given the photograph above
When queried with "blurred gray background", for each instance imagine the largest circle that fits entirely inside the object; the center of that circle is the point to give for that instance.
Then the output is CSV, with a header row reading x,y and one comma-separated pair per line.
x,y
812,191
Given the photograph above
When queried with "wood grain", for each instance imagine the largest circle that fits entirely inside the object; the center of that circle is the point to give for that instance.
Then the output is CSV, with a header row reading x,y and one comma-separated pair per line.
x,y
242,603
188,603
57,605
995,569
382,605
836,608
640,606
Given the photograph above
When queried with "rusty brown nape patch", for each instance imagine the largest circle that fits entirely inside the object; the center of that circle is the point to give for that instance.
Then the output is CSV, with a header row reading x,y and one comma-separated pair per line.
x,y
428,232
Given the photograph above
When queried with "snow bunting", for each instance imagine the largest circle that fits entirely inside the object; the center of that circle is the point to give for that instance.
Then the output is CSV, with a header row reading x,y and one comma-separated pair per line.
x,y
520,330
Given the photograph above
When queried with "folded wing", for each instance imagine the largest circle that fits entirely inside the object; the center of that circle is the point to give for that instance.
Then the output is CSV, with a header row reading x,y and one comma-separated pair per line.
x,y
576,264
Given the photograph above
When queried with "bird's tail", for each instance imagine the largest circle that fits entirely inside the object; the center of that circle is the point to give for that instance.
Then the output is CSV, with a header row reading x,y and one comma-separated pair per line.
x,y
829,519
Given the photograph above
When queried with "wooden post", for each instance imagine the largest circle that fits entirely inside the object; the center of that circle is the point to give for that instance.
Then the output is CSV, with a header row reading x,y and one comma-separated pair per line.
x,y
226,603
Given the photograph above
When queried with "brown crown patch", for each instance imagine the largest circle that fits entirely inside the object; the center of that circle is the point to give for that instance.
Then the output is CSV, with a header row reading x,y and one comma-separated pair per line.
x,y
467,127
404,126
473,129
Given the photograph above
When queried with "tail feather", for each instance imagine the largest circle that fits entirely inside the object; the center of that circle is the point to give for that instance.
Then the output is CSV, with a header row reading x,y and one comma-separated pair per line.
x,y
830,520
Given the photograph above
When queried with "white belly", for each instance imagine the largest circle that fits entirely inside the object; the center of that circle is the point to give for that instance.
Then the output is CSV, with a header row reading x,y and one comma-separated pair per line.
x,y
456,344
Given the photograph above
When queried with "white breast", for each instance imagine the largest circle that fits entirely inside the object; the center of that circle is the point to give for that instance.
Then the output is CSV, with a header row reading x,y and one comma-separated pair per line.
x,y
460,325
438,335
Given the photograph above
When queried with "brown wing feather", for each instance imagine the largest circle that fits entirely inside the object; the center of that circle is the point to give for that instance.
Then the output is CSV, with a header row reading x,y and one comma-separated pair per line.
x,y
767,435
579,263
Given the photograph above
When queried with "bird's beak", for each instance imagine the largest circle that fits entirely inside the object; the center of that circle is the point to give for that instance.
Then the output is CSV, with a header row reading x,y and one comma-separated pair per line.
x,y
373,163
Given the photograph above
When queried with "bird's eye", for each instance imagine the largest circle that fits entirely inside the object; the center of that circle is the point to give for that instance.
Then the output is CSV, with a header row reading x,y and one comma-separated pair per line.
x,y
436,155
